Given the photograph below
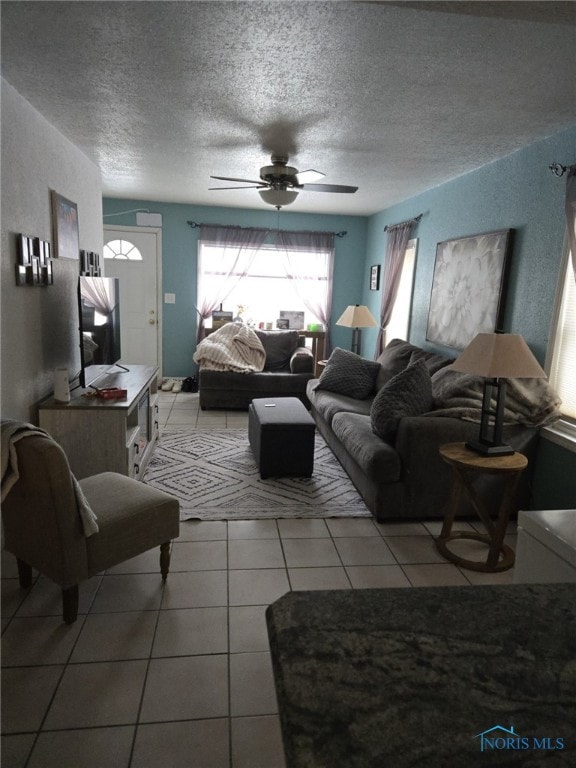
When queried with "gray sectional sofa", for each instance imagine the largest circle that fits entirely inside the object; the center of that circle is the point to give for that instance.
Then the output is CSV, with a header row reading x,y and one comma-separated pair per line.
x,y
288,368
402,477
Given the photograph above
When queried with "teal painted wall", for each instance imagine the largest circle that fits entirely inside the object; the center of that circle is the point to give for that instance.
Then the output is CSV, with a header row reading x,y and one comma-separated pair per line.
x,y
179,262
518,192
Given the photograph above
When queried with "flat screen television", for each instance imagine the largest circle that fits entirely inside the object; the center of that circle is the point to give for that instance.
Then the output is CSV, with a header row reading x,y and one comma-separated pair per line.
x,y
99,325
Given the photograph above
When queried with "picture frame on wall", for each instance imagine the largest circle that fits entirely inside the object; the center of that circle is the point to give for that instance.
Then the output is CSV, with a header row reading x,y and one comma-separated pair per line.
x,y
375,277
468,288
65,227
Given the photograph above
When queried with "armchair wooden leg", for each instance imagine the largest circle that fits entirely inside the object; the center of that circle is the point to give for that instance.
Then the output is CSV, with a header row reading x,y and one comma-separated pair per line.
x,y
164,559
70,604
24,573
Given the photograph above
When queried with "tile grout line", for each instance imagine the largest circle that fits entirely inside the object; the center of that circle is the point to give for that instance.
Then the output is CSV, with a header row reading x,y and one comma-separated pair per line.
x,y
148,664
228,671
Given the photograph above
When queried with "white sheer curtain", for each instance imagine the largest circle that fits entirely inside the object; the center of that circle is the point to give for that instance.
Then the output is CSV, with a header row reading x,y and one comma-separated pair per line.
x,y
96,291
398,237
571,212
237,247
312,276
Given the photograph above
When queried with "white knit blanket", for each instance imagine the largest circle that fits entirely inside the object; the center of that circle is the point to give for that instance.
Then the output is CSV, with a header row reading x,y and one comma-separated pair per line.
x,y
233,347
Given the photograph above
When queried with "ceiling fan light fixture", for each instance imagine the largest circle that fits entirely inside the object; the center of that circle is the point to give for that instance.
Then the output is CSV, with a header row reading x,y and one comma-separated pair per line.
x,y
277,171
278,197
280,183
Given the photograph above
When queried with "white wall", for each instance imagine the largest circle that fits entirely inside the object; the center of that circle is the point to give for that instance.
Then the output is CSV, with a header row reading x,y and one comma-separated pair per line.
x,y
39,324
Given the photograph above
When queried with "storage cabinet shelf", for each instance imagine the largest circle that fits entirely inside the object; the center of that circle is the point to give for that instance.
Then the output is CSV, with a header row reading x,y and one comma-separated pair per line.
x,y
107,435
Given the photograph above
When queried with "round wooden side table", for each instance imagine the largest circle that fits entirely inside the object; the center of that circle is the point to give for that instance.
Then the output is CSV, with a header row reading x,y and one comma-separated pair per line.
x,y
467,465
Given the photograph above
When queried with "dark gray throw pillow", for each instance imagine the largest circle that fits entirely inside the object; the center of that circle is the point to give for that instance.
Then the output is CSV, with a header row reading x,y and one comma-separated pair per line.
x,y
349,374
409,393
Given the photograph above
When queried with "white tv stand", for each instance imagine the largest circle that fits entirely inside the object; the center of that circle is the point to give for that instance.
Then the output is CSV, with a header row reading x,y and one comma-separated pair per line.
x,y
107,435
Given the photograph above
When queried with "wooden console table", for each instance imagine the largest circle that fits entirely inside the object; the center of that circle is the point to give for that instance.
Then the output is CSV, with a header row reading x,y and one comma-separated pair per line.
x,y
468,466
107,435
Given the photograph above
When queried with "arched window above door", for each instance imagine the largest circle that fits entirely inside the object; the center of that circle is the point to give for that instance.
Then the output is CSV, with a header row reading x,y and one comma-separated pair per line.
x,y
122,250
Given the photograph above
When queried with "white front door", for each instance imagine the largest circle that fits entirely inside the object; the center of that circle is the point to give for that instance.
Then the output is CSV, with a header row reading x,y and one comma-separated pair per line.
x,y
133,254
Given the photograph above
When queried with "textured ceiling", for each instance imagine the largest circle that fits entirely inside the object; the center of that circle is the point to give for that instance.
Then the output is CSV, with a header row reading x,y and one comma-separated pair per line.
x,y
393,97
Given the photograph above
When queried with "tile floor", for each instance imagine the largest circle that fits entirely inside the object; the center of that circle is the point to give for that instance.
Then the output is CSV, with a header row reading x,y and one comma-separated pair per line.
x,y
180,675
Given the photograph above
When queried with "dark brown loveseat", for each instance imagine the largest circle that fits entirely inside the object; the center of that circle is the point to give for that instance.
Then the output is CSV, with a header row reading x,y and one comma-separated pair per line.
x,y
288,368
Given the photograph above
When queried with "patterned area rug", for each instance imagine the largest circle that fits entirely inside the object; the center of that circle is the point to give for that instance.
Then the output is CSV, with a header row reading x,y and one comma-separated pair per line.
x,y
213,474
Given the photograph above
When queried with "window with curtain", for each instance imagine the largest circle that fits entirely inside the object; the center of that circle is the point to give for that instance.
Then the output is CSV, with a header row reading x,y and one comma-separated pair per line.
x,y
562,353
290,275
398,237
561,357
261,293
399,325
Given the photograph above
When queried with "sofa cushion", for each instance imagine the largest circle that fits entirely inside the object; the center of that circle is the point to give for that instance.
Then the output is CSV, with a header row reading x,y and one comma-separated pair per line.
x,y
399,354
279,347
258,382
379,461
433,361
409,393
328,404
349,374
393,359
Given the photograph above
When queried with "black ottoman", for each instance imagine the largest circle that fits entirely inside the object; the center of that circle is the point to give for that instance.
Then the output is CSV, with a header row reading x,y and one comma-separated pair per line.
x,y
281,435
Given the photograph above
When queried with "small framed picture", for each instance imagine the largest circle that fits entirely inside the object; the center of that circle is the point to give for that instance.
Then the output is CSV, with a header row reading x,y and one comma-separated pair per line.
x,y
375,277
295,319
283,323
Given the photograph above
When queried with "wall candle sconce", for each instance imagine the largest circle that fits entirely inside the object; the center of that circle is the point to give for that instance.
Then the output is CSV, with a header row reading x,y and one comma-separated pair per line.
x,y
34,265
90,264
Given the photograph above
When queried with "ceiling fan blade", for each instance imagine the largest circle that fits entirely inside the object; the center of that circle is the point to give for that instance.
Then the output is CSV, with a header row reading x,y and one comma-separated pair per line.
x,y
231,178
328,188
251,186
305,177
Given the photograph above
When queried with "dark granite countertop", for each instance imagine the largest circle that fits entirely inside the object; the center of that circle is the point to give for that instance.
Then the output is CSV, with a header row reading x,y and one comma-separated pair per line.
x,y
391,678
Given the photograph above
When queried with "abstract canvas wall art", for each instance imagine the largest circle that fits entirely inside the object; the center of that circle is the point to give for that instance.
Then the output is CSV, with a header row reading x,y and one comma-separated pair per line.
x,y
468,288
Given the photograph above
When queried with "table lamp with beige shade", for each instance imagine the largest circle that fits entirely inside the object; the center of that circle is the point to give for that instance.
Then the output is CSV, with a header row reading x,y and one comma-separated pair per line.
x,y
357,316
496,357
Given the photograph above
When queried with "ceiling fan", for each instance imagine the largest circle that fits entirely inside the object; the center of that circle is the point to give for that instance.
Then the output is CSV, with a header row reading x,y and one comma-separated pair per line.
x,y
280,183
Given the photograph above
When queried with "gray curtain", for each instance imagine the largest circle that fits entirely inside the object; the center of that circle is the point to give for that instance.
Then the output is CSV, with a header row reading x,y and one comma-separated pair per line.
x,y
309,278
239,246
398,236
571,212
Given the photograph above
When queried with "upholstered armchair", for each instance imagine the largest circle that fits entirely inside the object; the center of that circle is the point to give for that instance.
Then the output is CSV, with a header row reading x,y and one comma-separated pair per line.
x,y
45,529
